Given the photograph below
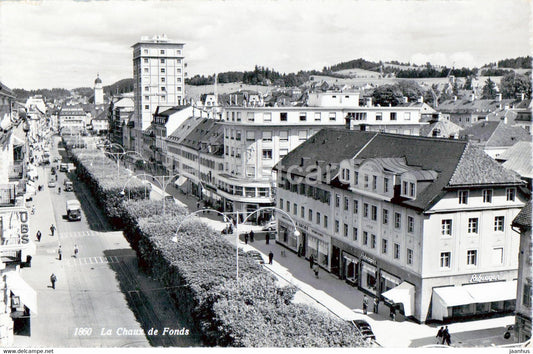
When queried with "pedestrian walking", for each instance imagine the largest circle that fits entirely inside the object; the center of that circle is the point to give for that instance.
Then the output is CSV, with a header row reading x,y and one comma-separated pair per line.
x,y
365,304
38,235
76,250
392,313
270,257
245,238
252,235
446,337
59,253
315,270
52,229
32,209
376,305
53,280
439,335
58,190
267,238
198,205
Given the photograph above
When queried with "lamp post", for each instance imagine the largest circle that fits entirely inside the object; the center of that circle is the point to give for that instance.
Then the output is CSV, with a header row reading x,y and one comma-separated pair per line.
x,y
163,183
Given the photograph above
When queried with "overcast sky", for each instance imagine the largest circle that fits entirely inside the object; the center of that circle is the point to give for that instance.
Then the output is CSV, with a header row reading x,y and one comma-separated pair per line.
x,y
45,44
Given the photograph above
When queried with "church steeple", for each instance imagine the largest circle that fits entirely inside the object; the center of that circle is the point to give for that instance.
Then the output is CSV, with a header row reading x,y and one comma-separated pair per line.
x,y
98,90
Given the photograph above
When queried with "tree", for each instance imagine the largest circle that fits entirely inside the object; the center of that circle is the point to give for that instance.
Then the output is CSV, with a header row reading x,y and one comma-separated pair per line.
x,y
514,84
386,95
489,89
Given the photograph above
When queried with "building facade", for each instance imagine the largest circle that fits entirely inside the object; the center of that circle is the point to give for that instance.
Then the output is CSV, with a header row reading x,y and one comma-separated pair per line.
x,y
429,217
523,294
72,119
159,80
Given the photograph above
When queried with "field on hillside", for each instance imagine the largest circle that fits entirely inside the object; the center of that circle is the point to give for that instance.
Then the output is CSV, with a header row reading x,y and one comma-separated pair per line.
x,y
358,73
195,91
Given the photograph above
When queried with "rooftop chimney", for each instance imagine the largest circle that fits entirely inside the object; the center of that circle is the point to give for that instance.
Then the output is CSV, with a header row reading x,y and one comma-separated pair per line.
x,y
421,99
499,97
405,99
369,102
472,97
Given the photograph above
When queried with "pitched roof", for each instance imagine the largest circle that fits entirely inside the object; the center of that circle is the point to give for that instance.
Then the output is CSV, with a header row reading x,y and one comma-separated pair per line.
x,y
519,158
523,219
495,134
452,162
465,105
445,128
207,133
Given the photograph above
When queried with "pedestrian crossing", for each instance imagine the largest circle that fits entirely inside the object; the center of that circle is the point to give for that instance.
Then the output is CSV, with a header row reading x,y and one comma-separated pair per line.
x,y
87,233
92,260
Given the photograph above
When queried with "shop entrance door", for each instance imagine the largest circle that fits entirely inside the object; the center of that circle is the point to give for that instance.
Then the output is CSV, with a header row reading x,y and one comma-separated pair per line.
x,y
335,260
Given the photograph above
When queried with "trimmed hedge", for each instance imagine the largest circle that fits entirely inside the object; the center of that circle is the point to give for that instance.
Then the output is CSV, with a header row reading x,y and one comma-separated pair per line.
x,y
200,272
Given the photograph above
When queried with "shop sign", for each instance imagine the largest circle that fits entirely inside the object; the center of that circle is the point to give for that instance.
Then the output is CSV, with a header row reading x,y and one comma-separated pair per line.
x,y
368,259
480,278
316,233
302,226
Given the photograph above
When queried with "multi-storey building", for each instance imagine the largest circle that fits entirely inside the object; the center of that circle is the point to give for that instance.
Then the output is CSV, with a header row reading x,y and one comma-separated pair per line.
x,y
523,295
429,215
159,80
121,108
72,119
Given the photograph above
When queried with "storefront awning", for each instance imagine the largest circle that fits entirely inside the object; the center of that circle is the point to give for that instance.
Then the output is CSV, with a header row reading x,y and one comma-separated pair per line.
x,y
20,288
350,258
470,294
403,294
180,181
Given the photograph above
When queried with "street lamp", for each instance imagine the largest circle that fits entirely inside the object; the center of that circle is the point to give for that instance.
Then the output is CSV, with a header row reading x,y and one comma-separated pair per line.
x,y
163,183
123,192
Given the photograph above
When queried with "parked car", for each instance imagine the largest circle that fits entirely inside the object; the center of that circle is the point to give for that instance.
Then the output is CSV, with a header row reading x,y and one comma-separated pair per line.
x,y
69,187
270,226
364,328
51,184
169,199
63,167
256,256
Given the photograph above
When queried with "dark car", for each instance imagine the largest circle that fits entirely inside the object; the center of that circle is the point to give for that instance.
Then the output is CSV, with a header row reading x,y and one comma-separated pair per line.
x,y
256,256
364,328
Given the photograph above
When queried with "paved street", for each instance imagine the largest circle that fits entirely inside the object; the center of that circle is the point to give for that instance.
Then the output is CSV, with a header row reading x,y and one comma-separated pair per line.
x,y
99,289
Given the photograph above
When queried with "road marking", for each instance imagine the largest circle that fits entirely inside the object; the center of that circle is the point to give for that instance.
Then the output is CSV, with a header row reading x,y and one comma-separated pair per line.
x,y
93,260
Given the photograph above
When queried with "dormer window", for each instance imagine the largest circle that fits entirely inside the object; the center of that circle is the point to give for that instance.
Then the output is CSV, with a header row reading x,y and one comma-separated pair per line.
x,y
386,185
412,191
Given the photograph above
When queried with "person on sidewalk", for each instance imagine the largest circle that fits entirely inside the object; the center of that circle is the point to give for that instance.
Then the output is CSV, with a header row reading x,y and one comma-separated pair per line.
x,y
32,209
311,261
59,253
439,335
53,280
392,313
76,251
446,337
365,304
252,235
376,305
315,270
245,238
267,238
270,257
52,229
38,235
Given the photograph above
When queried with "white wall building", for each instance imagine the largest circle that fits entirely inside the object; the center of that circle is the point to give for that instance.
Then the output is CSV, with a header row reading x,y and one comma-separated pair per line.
x,y
98,91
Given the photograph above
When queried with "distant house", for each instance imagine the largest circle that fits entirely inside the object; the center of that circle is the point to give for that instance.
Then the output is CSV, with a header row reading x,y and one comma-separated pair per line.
x,y
494,137
441,129
465,112
518,159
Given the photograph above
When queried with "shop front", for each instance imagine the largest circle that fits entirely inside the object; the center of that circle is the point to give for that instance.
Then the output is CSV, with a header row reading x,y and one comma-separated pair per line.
x,y
319,249
369,276
286,235
388,281
350,268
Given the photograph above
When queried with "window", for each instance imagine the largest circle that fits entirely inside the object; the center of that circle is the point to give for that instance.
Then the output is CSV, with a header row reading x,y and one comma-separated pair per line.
x,y
463,197
365,238
267,136
281,203
498,223
146,97
238,135
366,181
365,210
445,259
511,194
267,154
145,60
471,257
354,233
487,195
267,117
386,185
385,216
393,115
374,213
337,226
396,251
294,208
409,256
345,230
397,220
332,116
410,224
346,203
283,152
383,246
318,218
162,70
302,135
146,107
250,116
356,177
379,116
355,206
325,221
288,206
283,116
250,136
374,182
318,116
526,294
145,70
162,51
310,215
283,135
302,212
404,188
472,225
146,88
411,189
407,116
337,200
372,241
497,256
303,116
163,88
446,227
162,61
